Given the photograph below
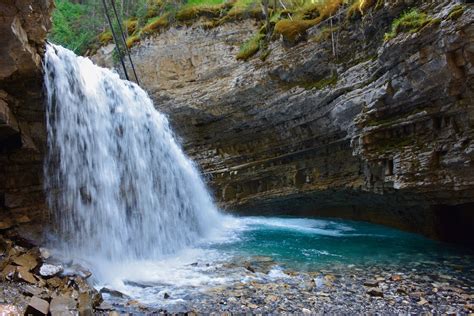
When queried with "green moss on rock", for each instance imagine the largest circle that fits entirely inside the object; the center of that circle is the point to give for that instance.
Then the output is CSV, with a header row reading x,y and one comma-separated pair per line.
x,y
250,47
456,12
409,22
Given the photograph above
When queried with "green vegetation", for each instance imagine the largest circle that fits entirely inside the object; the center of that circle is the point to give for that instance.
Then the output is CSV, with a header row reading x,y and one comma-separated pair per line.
x,y
409,22
83,28
131,40
155,24
69,28
456,12
251,47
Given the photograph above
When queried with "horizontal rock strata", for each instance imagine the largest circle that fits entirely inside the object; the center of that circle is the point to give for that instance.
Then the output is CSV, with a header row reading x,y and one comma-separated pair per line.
x,y
362,129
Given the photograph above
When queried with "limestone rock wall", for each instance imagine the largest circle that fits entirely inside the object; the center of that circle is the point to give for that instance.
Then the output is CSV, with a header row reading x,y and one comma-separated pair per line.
x,y
23,29
371,130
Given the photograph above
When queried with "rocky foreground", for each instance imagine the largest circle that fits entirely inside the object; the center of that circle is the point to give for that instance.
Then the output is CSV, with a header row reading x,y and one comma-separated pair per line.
x,y
34,282
423,287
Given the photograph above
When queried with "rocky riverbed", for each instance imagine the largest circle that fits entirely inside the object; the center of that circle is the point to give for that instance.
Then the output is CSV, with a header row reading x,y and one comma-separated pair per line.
x,y
34,281
419,287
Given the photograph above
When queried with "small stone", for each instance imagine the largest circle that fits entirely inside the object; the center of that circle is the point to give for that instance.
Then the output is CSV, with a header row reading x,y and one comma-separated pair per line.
x,y
402,291
252,306
306,311
30,290
422,301
9,310
262,259
271,298
113,292
27,261
81,271
49,270
329,278
37,306
371,283
25,275
55,282
44,253
166,296
23,219
232,300
376,292
114,313
8,272
396,277
105,307
416,295
62,305
133,303
6,224
469,307
322,294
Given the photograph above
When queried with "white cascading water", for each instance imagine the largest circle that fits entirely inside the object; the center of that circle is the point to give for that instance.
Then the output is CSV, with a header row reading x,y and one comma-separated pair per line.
x,y
119,186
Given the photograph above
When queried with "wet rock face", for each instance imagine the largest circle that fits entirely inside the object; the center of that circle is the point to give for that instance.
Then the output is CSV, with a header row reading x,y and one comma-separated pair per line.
x,y
23,28
371,130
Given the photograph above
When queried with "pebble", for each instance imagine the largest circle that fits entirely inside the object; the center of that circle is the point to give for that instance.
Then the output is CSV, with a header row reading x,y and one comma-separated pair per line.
x,y
375,292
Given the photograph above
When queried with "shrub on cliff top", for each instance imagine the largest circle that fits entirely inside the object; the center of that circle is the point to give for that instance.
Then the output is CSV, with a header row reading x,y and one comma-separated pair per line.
x,y
155,24
130,25
294,29
191,12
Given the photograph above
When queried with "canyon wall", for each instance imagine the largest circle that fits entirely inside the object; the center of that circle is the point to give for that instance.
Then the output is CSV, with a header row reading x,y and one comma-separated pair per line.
x,y
342,124
23,28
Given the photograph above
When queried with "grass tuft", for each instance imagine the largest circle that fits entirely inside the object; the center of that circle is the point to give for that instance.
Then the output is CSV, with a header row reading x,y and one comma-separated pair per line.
x,y
155,24
250,47
409,22
131,25
105,37
293,30
192,12
131,40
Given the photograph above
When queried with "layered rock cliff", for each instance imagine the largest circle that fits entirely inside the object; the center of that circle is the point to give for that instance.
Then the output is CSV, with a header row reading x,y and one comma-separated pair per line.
x,y
342,124
23,27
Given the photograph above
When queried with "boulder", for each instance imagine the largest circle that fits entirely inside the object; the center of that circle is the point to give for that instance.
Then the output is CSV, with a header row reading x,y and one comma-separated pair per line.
x,y
63,305
50,270
25,275
37,306
27,261
8,272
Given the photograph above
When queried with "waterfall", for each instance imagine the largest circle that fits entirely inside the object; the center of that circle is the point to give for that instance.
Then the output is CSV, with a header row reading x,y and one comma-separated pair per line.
x,y
118,184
